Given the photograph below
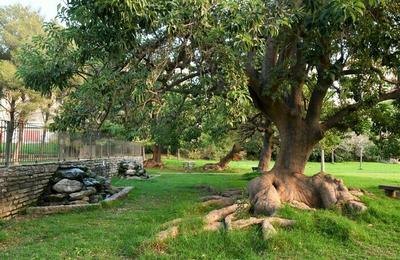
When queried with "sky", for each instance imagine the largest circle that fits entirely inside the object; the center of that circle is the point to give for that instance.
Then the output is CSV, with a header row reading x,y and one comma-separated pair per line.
x,y
48,8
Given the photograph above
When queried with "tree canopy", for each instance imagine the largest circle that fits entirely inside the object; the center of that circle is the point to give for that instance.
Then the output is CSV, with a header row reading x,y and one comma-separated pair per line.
x,y
307,66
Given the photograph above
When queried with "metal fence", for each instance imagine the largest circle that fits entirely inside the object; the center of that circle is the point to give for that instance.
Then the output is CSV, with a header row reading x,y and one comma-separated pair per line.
x,y
24,143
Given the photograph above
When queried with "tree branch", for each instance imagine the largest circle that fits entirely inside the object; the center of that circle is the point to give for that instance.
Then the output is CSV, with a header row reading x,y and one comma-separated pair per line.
x,y
335,119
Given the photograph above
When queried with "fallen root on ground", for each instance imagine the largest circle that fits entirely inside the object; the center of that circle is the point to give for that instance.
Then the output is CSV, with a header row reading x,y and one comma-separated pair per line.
x,y
228,217
171,232
225,218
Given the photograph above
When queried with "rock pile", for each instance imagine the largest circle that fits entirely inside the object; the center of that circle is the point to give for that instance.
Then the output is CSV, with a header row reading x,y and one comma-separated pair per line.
x,y
71,185
132,170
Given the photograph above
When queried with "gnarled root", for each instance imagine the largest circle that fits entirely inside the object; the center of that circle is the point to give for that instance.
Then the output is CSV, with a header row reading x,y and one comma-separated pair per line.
x,y
171,232
226,218
225,198
212,167
222,201
214,217
300,205
268,192
152,164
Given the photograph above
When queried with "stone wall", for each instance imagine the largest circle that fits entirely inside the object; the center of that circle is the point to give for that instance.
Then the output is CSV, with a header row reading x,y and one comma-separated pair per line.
x,y
21,186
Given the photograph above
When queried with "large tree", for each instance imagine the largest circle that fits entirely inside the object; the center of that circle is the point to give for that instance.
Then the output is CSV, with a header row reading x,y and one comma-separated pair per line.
x,y
294,58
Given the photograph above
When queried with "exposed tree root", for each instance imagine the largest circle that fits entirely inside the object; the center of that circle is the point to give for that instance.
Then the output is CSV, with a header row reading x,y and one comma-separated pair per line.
x,y
173,222
300,205
232,192
225,218
268,230
153,164
208,189
219,214
223,201
332,192
212,167
234,155
171,232
211,197
268,192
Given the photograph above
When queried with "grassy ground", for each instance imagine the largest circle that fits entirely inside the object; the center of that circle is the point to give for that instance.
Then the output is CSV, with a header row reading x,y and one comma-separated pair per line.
x,y
127,229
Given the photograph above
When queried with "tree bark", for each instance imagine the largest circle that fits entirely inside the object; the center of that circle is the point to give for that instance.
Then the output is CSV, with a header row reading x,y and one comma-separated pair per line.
x,y
155,161
299,124
224,162
333,156
266,152
286,181
156,153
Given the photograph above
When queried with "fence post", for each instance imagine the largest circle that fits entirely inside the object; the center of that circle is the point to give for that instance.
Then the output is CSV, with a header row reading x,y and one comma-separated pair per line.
x,y
9,137
59,146
90,145
108,147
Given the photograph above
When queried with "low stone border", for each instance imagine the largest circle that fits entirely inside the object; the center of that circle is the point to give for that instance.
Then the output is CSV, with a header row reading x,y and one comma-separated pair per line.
x,y
119,195
138,178
46,210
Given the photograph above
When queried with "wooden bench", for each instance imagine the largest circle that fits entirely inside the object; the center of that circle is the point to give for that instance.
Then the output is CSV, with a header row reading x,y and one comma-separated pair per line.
x,y
391,191
188,166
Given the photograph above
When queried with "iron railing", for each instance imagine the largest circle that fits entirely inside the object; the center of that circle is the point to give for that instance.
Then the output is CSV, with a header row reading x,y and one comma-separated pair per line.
x,y
24,143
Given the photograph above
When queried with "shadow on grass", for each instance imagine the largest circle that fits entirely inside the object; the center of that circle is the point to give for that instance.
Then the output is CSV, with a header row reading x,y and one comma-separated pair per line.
x,y
251,175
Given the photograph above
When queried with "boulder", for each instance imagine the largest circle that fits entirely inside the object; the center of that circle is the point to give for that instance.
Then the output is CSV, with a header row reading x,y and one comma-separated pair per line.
x,y
91,174
95,198
67,167
131,168
55,197
91,182
83,193
67,186
133,177
130,172
113,190
71,174
76,202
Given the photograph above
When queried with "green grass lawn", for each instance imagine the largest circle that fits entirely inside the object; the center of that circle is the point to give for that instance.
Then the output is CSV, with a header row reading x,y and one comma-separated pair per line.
x,y
126,230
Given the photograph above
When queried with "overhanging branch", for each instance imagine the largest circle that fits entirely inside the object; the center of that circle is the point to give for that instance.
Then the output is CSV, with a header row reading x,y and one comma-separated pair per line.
x,y
337,118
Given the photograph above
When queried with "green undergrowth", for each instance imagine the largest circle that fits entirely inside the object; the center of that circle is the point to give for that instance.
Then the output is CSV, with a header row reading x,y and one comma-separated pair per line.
x,y
127,229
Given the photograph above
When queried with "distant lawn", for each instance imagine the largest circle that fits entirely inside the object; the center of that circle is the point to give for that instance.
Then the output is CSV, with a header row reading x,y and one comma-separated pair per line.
x,y
127,229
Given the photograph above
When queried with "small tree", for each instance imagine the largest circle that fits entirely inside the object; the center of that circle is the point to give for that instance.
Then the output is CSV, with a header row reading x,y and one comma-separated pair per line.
x,y
18,25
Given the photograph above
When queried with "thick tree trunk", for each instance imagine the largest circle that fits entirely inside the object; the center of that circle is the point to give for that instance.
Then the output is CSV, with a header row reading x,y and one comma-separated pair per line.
x,y
266,152
223,162
156,153
286,181
154,162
